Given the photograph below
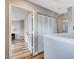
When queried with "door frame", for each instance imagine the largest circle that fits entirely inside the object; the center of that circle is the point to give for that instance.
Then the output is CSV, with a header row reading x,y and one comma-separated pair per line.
x,y
10,21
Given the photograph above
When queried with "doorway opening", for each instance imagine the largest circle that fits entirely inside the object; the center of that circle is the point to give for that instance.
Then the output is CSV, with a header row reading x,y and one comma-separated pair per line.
x,y
21,32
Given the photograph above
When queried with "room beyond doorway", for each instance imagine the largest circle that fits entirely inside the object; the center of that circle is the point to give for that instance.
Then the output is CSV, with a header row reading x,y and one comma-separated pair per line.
x,y
21,29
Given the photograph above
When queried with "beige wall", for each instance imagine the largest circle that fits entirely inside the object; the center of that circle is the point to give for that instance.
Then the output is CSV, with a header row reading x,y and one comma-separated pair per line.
x,y
60,24
6,29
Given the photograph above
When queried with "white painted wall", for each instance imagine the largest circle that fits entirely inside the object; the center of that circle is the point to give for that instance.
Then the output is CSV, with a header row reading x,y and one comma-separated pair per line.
x,y
17,28
22,28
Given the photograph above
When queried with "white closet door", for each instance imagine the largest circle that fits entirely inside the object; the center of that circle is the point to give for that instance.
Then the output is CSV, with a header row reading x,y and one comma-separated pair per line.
x,y
49,27
42,25
53,26
40,32
46,25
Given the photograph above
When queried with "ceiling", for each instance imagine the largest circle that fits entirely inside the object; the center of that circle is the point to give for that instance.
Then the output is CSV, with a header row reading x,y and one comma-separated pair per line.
x,y
59,6
18,13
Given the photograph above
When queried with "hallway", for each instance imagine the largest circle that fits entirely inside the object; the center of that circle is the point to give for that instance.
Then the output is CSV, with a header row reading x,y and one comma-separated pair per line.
x,y
20,52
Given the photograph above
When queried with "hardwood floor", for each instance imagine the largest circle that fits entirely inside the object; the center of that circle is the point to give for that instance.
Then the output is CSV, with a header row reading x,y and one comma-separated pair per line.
x,y
19,51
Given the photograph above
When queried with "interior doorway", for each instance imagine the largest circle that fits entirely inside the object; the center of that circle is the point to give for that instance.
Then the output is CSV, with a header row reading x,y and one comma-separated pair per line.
x,y
21,31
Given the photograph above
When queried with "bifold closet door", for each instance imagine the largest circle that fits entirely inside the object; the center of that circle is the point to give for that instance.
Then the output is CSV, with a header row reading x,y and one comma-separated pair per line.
x,y
46,25
42,25
40,32
52,25
49,25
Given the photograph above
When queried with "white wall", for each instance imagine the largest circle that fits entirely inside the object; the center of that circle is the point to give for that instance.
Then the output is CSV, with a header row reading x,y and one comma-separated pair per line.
x,y
22,28
17,28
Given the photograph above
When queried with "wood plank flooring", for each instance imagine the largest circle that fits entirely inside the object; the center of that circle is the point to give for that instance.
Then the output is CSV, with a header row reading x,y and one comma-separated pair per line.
x,y
19,51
